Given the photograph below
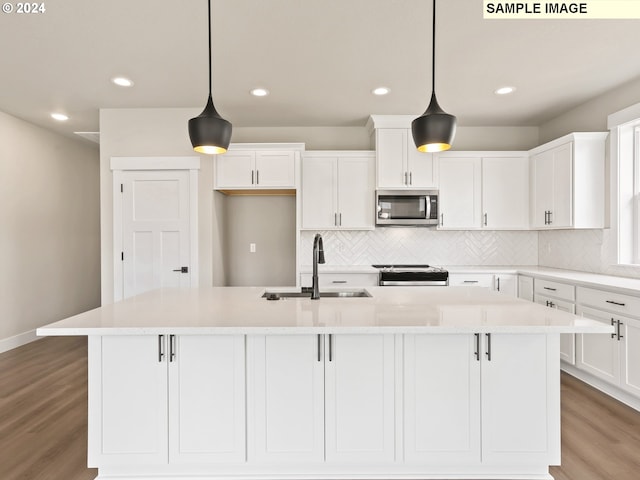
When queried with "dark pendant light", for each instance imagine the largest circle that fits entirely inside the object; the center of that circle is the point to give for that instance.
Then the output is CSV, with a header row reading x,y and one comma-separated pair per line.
x,y
209,132
434,130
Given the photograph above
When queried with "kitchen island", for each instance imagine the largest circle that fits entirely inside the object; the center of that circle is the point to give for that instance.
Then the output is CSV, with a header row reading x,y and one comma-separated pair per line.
x,y
413,382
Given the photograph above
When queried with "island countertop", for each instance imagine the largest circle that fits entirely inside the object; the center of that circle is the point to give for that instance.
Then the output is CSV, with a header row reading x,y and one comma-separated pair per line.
x,y
242,310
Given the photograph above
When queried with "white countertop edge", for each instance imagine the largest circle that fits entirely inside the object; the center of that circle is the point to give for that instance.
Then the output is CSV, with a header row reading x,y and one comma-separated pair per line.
x,y
430,330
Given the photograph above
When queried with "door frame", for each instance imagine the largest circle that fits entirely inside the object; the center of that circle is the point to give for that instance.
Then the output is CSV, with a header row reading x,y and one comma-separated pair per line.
x,y
119,167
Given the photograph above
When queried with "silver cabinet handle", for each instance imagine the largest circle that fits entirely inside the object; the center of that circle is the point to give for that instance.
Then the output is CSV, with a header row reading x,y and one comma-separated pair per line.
x,y
335,219
477,349
470,281
251,177
160,348
619,324
410,178
319,347
339,281
442,219
488,352
498,279
485,219
330,347
172,348
340,219
615,303
257,177
405,179
549,288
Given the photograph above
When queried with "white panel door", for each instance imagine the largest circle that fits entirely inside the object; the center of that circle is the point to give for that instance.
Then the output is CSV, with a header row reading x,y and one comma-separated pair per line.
x,y
421,166
460,192
319,196
441,399
515,393
131,426
356,192
207,399
285,407
359,398
598,353
505,193
506,283
155,230
542,165
275,170
567,340
235,170
561,214
630,355
391,153
525,287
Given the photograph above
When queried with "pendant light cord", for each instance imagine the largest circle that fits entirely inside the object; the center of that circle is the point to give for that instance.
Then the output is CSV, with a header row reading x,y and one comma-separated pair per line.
x,y
209,17
433,51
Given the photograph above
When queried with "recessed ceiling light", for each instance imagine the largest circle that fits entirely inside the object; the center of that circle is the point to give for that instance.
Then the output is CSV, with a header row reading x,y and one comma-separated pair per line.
x,y
259,92
505,90
122,81
61,117
380,91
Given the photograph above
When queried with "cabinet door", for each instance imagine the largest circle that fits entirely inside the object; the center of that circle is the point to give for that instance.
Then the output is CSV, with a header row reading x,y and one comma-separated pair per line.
x,y
235,170
561,212
356,192
520,402
319,197
630,355
567,340
128,401
359,402
207,398
275,170
422,166
441,399
471,280
598,354
506,283
391,154
542,165
505,193
460,192
525,288
285,408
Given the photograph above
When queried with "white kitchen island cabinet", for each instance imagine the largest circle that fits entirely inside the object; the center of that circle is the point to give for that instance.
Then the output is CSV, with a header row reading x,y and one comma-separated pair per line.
x,y
410,383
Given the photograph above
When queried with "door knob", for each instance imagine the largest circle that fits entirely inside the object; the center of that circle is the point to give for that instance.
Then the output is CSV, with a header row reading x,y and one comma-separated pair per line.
x,y
182,270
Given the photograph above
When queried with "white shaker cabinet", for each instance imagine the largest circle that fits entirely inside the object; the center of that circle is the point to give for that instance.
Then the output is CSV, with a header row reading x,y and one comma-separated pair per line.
x,y
491,389
506,283
250,166
505,193
400,164
525,287
599,354
568,182
460,192
561,296
338,190
161,399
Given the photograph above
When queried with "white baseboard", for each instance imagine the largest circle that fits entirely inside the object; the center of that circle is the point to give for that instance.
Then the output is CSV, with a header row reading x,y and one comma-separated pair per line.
x,y
605,387
16,341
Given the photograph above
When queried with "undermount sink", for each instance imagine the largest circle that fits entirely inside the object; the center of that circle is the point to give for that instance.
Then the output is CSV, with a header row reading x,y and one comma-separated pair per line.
x,y
356,293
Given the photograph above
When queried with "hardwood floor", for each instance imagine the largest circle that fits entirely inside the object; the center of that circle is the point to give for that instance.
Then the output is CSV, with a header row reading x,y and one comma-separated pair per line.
x,y
43,420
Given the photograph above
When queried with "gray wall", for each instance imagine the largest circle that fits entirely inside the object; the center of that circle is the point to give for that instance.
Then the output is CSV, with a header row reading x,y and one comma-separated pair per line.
x,y
270,223
49,228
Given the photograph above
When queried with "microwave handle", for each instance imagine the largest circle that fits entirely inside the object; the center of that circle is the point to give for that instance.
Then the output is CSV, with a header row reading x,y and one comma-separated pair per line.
x,y
428,202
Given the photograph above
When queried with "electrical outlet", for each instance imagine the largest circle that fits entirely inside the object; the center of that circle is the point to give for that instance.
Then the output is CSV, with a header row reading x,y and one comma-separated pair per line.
x,y
252,248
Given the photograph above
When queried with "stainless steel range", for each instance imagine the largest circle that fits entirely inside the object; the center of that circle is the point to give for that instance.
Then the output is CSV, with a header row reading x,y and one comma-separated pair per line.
x,y
412,275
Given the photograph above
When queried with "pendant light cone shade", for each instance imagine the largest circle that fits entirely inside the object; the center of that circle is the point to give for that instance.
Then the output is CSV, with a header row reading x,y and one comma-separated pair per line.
x,y
209,132
435,129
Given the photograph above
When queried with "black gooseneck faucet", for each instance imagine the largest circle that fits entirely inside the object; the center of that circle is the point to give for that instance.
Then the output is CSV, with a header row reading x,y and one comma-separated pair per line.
x,y
318,257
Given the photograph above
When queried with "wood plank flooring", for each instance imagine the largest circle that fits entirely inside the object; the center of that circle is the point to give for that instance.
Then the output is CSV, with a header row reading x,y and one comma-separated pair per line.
x,y
43,420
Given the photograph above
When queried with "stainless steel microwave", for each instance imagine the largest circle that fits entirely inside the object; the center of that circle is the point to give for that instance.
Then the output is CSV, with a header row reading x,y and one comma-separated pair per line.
x,y
407,207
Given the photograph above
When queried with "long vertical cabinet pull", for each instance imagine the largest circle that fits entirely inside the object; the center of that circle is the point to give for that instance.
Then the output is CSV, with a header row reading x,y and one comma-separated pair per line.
x,y
251,177
442,219
257,177
330,347
488,352
160,348
172,348
485,219
477,351
498,280
410,178
319,347
405,179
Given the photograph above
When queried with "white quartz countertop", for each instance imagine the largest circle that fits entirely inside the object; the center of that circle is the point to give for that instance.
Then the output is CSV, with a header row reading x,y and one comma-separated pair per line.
x,y
242,310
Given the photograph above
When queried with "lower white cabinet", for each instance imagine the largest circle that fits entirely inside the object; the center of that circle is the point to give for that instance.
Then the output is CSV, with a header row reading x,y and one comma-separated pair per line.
x,y
525,287
567,340
471,280
506,283
481,399
341,279
166,399
315,398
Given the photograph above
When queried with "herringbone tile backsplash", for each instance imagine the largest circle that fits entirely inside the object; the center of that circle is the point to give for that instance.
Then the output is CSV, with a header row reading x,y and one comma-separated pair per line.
x,y
421,245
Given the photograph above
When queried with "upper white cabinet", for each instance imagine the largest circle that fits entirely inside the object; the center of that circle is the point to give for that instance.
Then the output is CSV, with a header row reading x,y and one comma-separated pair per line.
x,y
338,190
400,164
256,166
568,182
488,190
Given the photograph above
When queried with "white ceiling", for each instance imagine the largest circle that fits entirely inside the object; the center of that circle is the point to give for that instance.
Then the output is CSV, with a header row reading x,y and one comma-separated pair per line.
x,y
320,59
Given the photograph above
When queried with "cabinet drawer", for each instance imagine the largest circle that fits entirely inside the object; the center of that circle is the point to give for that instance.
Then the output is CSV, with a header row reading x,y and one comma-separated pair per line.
x,y
562,291
341,279
613,302
471,280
